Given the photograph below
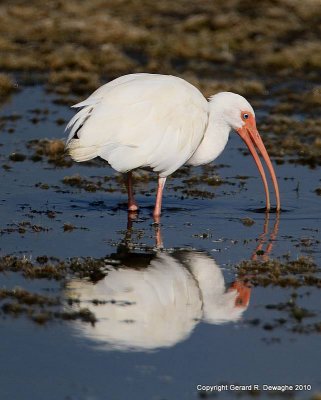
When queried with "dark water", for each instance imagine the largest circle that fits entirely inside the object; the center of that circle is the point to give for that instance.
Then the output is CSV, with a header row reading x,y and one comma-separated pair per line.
x,y
180,326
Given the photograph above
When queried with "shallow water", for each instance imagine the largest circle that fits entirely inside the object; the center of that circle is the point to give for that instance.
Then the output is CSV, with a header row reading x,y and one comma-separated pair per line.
x,y
179,327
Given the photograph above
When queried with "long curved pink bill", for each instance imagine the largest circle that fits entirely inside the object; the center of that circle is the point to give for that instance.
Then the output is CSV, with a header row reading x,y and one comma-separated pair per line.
x,y
256,138
259,165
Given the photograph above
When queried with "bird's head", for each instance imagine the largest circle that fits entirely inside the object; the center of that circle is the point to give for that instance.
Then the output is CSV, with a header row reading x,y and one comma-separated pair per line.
x,y
238,113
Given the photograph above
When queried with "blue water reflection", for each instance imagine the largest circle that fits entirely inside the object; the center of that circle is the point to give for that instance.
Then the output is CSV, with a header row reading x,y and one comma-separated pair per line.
x,y
154,299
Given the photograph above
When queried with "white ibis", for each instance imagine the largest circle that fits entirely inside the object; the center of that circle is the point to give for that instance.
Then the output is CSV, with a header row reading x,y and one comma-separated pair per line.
x,y
161,122
152,302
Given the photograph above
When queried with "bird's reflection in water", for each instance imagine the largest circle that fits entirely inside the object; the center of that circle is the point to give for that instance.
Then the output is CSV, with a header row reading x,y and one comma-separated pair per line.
x,y
154,299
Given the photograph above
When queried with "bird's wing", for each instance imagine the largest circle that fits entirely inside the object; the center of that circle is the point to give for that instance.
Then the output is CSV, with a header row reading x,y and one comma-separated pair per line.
x,y
140,120
93,100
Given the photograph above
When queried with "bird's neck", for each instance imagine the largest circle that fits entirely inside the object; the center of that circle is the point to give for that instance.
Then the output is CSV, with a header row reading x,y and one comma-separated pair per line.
x,y
214,140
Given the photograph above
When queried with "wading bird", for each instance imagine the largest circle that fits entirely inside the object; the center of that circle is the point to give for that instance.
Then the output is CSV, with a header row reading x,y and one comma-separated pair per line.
x,y
161,122
161,294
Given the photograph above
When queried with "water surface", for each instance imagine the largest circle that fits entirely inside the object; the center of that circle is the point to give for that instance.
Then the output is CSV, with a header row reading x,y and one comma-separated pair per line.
x,y
170,319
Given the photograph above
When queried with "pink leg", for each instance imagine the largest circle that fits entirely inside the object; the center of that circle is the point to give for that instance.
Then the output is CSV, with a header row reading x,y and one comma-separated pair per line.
x,y
158,204
132,205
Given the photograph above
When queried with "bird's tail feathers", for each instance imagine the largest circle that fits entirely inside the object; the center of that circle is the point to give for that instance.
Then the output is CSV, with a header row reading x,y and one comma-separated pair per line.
x,y
80,153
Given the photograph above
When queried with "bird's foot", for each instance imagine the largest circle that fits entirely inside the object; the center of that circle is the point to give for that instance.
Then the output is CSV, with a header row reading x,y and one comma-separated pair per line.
x,y
132,215
132,207
157,218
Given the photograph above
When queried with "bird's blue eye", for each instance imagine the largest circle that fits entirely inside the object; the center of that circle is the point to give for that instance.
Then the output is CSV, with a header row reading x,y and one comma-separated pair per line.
x,y
245,116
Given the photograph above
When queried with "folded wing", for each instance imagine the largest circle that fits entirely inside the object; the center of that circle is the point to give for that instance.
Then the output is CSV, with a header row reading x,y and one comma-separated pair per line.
x,y
140,120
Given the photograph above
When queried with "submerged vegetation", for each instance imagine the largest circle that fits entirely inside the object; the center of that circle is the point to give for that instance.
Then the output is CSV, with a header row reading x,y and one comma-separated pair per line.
x,y
296,273
42,308
268,52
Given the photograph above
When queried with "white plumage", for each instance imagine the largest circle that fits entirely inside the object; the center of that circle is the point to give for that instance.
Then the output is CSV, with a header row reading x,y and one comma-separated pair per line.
x,y
164,301
140,120
161,122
